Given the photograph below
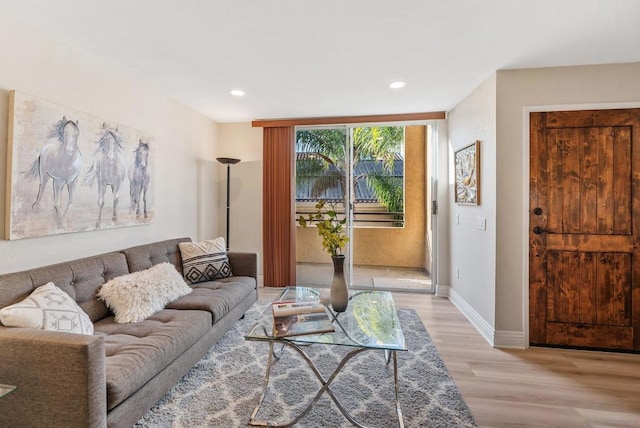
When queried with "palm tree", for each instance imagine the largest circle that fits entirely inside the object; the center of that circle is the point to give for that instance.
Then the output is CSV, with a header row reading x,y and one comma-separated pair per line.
x,y
325,161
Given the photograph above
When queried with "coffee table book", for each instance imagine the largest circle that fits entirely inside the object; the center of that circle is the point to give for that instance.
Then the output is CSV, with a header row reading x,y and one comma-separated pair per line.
x,y
5,389
281,309
300,318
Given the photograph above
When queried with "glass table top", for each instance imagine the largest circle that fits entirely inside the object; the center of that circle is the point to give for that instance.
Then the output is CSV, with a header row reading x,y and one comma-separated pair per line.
x,y
370,321
5,389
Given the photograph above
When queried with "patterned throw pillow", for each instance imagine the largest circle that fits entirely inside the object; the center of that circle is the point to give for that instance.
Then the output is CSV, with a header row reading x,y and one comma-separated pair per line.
x,y
47,308
204,261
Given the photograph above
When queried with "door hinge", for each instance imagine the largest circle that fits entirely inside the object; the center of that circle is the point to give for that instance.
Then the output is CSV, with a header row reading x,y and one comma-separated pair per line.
x,y
434,207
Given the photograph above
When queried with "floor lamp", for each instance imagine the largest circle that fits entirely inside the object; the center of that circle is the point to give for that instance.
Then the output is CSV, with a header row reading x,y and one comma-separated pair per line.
x,y
228,162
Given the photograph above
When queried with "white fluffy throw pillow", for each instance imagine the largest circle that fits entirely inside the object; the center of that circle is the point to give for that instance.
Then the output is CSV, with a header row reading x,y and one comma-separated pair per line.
x,y
204,261
138,295
47,308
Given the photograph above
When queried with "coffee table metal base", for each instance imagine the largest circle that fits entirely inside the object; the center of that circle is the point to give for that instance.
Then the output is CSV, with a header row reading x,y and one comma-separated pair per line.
x,y
389,355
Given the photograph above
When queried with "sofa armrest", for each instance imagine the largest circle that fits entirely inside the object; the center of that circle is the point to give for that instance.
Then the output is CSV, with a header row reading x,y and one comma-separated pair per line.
x,y
244,264
60,379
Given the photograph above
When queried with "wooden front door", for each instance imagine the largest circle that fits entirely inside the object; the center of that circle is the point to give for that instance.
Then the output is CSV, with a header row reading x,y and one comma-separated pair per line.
x,y
584,237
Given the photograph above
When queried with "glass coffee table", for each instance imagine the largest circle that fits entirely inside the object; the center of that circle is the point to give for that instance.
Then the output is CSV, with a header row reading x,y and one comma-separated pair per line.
x,y
370,323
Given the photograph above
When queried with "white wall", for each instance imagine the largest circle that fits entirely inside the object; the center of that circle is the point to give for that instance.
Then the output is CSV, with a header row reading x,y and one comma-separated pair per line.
x,y
43,66
241,141
472,251
544,89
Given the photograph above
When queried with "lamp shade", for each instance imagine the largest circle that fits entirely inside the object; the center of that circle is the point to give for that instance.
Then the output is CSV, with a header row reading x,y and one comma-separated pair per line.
x,y
227,161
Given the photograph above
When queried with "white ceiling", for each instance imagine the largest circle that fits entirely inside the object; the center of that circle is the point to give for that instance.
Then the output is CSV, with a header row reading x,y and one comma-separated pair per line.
x,y
305,58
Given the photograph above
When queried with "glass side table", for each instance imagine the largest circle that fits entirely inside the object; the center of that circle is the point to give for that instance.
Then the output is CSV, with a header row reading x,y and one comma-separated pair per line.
x,y
6,389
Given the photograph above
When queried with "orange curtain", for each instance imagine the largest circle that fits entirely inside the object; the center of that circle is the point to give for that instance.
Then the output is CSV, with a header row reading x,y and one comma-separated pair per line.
x,y
278,222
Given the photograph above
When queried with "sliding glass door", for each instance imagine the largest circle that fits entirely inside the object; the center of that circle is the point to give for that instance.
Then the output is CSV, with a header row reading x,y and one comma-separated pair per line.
x,y
322,176
363,174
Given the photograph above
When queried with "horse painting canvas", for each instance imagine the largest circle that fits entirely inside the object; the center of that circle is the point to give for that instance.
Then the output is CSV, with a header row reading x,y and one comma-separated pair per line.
x,y
70,171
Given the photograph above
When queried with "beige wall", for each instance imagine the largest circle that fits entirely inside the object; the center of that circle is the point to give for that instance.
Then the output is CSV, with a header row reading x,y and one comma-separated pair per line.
x,y
518,91
401,247
185,141
241,141
472,251
493,286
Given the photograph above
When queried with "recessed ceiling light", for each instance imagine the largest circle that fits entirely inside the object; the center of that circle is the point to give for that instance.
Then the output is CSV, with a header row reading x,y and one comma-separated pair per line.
x,y
237,92
397,85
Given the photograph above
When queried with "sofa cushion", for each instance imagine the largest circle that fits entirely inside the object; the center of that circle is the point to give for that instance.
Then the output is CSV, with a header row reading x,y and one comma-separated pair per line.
x,y
217,297
138,295
204,261
137,352
144,256
47,308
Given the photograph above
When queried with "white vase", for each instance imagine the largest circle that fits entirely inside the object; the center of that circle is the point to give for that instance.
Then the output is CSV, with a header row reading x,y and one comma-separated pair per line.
x,y
339,290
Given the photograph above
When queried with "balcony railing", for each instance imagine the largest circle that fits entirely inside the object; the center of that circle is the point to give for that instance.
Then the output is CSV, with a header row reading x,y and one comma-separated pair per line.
x,y
362,217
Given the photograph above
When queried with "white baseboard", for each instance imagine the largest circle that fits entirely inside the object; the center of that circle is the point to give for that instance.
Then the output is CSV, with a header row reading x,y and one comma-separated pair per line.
x,y
496,338
483,327
509,339
442,290
260,281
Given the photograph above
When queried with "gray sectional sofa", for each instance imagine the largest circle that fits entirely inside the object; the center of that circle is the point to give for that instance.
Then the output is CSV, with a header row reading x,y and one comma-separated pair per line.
x,y
111,378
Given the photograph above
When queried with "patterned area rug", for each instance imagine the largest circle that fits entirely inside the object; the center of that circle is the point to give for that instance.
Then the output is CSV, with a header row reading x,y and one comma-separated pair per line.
x,y
222,389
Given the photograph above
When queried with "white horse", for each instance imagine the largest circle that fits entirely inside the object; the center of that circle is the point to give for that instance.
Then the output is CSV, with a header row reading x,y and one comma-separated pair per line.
x,y
60,161
139,178
108,168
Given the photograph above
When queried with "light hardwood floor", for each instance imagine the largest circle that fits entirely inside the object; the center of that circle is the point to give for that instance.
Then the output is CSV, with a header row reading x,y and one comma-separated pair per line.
x,y
538,387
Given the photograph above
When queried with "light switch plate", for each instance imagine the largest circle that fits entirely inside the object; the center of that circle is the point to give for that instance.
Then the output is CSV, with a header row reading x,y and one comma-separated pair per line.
x,y
482,223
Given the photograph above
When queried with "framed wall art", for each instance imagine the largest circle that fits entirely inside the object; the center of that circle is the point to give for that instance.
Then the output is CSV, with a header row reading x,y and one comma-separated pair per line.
x,y
467,170
70,171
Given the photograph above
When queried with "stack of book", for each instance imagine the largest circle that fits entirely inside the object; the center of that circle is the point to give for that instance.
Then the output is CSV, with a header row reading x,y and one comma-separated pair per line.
x,y
300,318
